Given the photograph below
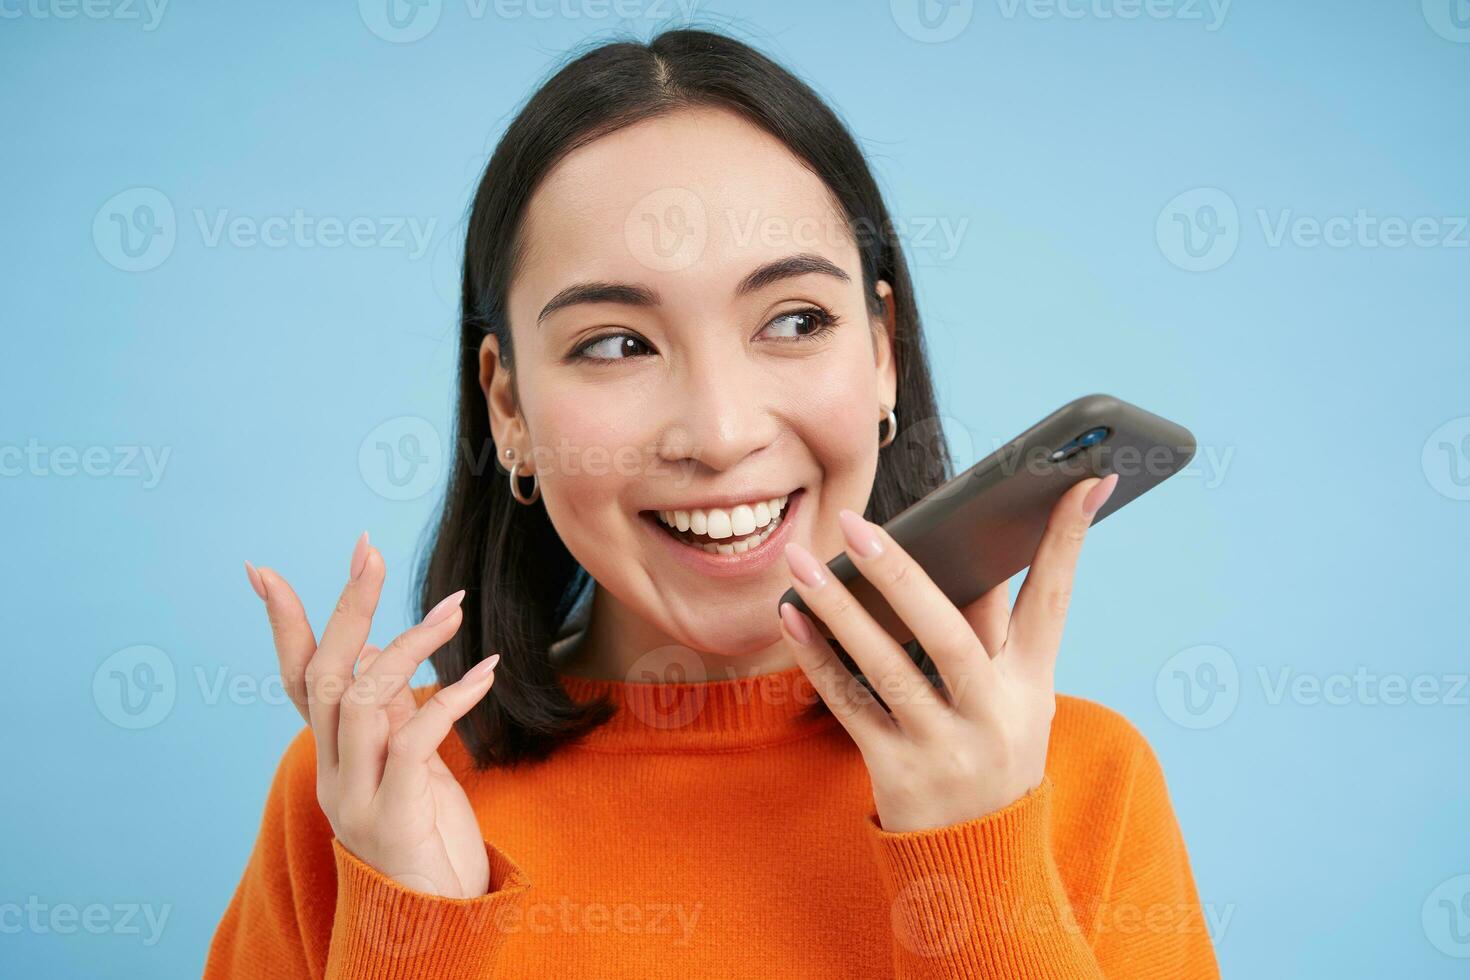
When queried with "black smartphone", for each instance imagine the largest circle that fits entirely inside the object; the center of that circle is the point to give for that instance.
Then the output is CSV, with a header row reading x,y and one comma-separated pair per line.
x,y
982,527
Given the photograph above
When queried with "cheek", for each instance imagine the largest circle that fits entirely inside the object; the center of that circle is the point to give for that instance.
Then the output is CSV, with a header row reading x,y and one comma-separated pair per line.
x,y
586,450
837,408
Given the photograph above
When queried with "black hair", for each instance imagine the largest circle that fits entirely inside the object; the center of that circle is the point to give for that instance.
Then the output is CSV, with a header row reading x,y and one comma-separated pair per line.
x,y
519,576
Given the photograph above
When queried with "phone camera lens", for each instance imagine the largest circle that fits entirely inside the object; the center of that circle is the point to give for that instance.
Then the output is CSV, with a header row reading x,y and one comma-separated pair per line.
x,y
1089,438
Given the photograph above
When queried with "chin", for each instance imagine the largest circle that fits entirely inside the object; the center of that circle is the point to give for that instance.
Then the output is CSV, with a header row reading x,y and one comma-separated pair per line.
x,y
761,629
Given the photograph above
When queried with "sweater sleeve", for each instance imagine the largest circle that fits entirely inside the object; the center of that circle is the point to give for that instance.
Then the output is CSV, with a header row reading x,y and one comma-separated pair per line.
x,y
986,897
307,907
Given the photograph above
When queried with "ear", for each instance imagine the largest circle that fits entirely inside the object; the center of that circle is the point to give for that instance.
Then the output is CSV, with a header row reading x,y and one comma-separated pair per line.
x,y
883,347
498,386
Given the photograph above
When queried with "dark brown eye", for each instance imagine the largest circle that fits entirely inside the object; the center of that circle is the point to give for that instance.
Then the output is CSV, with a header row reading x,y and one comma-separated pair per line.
x,y
613,347
800,324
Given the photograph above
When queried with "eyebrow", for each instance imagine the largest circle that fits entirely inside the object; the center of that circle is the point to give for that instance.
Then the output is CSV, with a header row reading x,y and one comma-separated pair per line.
x,y
629,294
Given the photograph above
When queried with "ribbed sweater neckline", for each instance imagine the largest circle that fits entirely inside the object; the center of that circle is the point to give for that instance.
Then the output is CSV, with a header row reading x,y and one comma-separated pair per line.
x,y
714,715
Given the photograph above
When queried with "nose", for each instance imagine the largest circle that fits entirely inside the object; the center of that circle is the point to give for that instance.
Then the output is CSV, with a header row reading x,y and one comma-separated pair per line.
x,y
720,410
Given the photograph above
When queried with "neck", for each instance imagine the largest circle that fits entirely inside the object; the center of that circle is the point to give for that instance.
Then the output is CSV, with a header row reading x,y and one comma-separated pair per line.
x,y
618,643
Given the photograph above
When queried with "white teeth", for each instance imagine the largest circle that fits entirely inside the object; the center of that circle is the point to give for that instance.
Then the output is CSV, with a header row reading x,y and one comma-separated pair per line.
x,y
742,521
718,522
741,546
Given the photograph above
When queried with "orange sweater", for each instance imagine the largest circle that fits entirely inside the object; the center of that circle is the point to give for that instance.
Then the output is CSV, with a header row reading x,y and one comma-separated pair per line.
x,y
708,830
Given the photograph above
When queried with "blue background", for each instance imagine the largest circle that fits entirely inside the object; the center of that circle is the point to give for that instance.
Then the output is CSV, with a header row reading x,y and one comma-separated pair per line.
x,y
1327,539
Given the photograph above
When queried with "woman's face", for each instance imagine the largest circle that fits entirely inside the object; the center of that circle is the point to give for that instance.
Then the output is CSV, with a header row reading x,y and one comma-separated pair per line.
x,y
691,339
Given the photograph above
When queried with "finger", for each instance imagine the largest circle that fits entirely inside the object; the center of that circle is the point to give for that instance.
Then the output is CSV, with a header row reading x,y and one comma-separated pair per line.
x,y
1041,605
941,629
989,616
403,705
373,709
390,673
291,631
355,766
418,740
895,678
852,703
369,653
329,674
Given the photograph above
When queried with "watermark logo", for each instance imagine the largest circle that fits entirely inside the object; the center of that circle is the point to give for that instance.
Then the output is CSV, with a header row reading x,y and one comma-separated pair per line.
x,y
1201,687
1198,687
302,230
406,21
925,446
40,918
667,229
148,12
1450,19
932,21
624,10
912,916
402,458
567,916
1446,917
1199,230
1446,459
135,230
395,935
1362,687
926,240
668,691
400,21
135,687
1210,13
146,464
1361,229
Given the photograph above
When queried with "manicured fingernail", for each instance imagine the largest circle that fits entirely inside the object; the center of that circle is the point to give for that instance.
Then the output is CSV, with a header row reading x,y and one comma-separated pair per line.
x,y
482,669
1099,495
256,582
861,536
796,623
359,556
444,609
804,566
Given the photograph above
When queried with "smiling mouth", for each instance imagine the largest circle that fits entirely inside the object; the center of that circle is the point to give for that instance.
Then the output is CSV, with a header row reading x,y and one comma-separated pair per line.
x,y
714,530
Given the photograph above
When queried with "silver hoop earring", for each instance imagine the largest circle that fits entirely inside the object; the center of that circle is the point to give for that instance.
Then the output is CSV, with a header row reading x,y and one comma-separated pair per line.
x,y
891,430
515,486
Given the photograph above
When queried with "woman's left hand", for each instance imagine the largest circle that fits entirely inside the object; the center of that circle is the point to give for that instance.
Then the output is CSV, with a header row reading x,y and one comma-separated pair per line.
x,y
934,760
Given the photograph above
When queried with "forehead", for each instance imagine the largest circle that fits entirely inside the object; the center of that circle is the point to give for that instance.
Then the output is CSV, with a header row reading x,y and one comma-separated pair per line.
x,y
686,202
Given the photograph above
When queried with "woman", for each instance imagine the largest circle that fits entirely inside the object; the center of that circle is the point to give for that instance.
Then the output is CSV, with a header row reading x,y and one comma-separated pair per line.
x,y
690,339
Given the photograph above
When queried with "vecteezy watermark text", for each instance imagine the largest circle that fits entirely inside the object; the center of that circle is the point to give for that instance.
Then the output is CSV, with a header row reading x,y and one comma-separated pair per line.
x,y
406,21
1201,686
40,917
136,230
124,462
148,12
1201,229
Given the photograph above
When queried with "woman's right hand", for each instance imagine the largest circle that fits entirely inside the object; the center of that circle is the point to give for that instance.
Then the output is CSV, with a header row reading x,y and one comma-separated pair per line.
x,y
388,795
